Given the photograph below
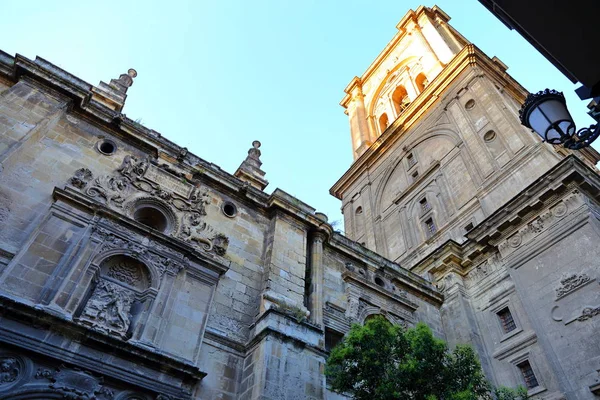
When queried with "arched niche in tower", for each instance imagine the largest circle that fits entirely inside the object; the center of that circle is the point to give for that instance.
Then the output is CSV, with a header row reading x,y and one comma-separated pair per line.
x,y
384,122
421,82
359,223
400,99
392,77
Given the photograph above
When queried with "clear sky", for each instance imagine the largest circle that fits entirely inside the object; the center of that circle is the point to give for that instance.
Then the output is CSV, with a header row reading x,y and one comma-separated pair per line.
x,y
215,75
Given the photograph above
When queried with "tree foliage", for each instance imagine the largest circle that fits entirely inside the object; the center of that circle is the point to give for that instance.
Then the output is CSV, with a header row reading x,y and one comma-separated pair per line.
x,y
381,361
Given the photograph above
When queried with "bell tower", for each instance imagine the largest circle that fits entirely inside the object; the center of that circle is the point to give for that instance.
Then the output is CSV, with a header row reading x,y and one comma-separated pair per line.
x,y
423,46
436,139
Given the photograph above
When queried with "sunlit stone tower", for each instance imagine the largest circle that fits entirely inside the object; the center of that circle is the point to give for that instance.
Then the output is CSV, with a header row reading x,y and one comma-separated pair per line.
x,y
443,183
132,269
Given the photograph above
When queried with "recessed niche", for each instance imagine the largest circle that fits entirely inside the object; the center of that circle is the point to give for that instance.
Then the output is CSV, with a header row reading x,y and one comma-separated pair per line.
x,y
151,217
229,209
470,104
379,281
106,147
489,136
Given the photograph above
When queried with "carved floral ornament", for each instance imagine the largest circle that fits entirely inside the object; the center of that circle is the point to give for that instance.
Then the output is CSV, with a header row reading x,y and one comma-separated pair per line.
x,y
487,268
571,283
138,180
10,369
537,225
78,384
169,261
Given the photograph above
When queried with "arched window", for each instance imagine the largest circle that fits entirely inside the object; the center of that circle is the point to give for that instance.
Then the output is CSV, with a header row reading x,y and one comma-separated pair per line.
x,y
400,99
116,298
383,122
421,81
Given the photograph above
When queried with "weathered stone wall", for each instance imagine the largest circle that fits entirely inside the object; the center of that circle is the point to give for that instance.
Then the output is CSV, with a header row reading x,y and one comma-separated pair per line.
x,y
470,155
197,284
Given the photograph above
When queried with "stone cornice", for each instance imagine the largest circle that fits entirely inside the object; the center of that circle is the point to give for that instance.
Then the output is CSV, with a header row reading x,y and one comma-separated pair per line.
x,y
469,57
79,93
543,199
569,173
409,279
352,277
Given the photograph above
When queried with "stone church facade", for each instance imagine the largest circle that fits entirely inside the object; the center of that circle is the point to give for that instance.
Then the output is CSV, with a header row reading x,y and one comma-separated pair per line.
x,y
131,269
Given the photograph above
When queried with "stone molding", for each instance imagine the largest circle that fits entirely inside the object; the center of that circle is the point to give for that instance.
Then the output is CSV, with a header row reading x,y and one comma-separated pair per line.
x,y
396,306
516,344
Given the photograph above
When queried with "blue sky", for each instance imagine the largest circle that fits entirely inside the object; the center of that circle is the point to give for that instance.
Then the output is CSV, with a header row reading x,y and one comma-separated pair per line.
x,y
214,76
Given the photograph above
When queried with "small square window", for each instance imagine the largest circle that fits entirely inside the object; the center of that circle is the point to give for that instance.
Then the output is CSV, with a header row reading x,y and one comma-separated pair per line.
x,y
424,205
430,226
507,321
414,176
528,375
469,227
410,158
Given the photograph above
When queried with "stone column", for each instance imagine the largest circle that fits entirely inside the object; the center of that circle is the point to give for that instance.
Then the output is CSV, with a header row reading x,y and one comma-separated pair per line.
x,y
315,297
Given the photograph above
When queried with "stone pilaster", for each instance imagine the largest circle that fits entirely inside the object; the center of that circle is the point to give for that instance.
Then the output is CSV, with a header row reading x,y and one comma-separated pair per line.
x,y
315,298
361,137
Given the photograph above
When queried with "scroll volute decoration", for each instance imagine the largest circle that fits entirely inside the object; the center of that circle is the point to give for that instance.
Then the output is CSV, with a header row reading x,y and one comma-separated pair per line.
x,y
136,178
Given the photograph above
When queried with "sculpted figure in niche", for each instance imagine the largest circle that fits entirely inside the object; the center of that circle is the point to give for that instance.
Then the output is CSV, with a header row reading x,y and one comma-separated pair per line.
x,y
108,308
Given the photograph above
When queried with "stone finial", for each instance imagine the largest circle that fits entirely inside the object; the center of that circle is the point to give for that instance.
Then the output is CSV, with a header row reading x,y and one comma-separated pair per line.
x,y
113,94
249,171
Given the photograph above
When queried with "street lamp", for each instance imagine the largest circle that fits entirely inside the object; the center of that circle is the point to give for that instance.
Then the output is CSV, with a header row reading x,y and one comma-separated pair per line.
x,y
546,113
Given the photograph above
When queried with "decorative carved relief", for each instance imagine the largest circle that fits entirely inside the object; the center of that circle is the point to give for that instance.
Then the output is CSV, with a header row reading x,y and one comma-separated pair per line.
x,y
536,226
108,308
588,312
570,284
75,383
560,210
353,309
173,262
81,178
121,191
9,370
125,272
492,264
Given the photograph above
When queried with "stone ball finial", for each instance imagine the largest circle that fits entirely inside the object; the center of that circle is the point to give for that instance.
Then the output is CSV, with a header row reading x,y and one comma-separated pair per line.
x,y
132,72
256,144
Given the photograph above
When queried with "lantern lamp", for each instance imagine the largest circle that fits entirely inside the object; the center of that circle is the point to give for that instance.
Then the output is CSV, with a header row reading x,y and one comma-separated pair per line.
x,y
547,115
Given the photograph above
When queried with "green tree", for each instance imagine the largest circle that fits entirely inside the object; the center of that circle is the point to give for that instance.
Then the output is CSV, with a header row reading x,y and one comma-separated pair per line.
x,y
381,361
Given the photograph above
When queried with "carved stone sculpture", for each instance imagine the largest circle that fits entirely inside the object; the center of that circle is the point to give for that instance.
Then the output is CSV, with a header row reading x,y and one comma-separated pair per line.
x,y
184,204
570,284
108,308
588,313
81,178
9,370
